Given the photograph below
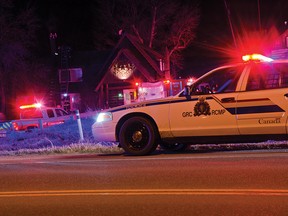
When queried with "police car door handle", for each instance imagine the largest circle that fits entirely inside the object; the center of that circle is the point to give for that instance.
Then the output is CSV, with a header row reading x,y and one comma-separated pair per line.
x,y
228,100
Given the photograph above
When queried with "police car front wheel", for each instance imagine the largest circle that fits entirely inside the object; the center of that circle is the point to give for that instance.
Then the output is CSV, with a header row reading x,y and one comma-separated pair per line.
x,y
138,136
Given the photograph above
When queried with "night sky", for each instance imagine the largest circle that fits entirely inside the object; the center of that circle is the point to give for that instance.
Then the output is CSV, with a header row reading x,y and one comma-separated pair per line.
x,y
243,12
74,16
214,32
72,20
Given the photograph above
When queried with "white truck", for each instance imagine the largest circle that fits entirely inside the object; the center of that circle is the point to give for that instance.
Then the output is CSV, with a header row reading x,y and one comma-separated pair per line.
x,y
36,116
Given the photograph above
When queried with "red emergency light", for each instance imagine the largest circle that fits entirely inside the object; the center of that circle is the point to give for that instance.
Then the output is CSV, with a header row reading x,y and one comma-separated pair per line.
x,y
166,82
191,80
256,57
35,105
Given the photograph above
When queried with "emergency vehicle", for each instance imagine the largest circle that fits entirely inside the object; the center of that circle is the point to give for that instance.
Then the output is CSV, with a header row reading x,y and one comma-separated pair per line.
x,y
242,102
38,116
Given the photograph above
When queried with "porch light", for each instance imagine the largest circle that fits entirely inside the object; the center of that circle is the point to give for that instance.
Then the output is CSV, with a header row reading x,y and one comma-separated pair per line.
x,y
123,71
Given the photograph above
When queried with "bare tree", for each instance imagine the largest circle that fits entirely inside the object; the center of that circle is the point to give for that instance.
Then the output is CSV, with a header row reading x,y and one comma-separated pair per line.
x,y
165,26
17,36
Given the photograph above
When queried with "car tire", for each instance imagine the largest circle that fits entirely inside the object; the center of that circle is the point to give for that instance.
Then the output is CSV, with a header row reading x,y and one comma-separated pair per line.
x,y
138,136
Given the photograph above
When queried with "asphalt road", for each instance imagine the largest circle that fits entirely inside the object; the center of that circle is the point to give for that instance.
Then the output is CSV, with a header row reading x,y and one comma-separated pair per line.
x,y
211,183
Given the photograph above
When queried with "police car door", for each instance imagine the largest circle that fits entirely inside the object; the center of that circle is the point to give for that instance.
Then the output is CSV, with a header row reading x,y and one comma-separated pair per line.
x,y
210,108
263,103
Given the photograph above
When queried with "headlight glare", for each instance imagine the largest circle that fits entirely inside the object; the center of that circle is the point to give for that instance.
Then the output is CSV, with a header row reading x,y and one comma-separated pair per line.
x,y
104,116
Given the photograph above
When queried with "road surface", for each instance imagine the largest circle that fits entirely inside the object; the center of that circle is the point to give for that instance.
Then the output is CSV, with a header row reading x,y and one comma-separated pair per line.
x,y
211,183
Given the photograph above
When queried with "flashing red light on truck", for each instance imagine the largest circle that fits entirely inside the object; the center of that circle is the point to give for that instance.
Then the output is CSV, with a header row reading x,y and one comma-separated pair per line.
x,y
35,105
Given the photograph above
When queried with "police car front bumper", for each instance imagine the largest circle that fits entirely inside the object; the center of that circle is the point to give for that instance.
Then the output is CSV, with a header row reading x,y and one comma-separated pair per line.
x,y
104,131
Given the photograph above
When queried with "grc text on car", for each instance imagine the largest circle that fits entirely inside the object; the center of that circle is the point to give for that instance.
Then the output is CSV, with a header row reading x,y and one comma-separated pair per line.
x,y
247,101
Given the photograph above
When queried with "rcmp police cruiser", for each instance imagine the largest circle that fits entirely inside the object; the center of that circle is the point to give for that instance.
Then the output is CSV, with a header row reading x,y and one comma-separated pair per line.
x,y
241,102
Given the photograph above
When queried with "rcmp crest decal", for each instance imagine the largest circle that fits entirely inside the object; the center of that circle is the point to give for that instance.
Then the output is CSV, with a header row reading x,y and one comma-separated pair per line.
x,y
202,107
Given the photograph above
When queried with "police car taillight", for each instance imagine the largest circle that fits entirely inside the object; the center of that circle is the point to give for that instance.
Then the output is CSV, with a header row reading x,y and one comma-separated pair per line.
x,y
35,105
256,57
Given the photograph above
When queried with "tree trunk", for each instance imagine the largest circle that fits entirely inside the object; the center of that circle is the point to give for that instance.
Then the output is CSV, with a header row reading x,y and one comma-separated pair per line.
x,y
153,26
3,98
167,64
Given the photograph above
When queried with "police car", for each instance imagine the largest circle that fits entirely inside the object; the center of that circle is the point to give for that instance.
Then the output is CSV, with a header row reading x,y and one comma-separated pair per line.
x,y
241,102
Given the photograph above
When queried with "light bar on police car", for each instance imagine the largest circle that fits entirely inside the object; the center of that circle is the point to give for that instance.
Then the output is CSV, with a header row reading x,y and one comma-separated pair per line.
x,y
256,57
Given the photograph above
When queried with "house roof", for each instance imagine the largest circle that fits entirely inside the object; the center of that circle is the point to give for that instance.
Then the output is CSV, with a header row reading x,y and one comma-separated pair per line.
x,y
145,59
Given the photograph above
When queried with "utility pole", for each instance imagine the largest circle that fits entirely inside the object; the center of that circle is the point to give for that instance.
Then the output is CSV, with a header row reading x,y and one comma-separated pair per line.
x,y
52,97
65,55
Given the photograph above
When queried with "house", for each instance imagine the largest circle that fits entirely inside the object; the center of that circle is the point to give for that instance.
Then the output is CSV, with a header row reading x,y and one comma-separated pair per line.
x,y
280,48
130,63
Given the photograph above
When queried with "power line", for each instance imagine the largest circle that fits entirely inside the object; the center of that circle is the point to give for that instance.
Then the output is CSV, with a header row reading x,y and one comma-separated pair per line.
x,y
230,23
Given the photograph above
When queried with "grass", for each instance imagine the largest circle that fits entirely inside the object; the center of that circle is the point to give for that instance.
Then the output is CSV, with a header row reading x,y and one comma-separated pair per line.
x,y
64,139
270,144
82,148
58,139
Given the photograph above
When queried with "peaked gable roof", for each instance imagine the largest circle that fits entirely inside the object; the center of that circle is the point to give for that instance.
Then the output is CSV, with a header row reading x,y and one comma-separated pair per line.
x,y
145,59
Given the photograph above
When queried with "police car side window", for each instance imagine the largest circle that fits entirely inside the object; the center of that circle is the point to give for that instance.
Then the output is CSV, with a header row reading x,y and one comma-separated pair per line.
x,y
221,81
267,76
60,112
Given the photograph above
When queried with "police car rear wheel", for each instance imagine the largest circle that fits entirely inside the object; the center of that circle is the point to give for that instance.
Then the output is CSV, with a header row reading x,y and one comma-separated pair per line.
x,y
138,136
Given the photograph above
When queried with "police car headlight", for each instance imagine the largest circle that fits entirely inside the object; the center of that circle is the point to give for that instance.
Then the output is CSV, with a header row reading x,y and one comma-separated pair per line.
x,y
104,117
